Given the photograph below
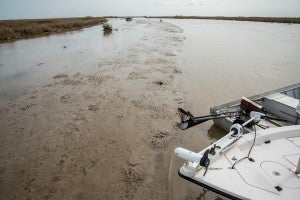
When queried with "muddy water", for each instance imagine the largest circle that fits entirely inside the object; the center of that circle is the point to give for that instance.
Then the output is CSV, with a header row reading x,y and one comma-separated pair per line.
x,y
223,61
27,63
97,128
103,127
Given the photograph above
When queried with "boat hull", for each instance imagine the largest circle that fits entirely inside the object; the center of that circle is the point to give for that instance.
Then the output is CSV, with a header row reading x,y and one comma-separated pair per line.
x,y
281,103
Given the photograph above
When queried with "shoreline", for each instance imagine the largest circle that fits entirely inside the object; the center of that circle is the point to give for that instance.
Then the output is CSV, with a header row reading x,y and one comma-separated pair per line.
x,y
13,30
285,20
18,29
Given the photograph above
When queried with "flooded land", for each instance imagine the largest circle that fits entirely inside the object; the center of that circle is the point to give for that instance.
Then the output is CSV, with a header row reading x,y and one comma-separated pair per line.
x,y
90,116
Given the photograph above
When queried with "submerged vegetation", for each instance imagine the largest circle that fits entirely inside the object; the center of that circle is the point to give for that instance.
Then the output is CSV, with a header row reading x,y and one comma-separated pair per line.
x,y
289,20
11,30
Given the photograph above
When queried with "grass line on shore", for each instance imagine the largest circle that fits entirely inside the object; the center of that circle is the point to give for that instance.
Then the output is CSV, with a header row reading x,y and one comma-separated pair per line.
x,y
11,30
290,20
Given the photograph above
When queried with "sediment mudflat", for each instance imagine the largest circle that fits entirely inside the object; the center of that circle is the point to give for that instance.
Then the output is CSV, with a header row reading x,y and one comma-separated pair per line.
x,y
97,134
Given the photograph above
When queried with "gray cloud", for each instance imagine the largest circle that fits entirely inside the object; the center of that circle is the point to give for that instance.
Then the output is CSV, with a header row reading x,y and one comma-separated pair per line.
x,y
70,8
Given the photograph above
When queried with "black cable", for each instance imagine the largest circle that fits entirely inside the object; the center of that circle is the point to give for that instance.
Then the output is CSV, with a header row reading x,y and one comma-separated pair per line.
x,y
248,156
237,162
252,144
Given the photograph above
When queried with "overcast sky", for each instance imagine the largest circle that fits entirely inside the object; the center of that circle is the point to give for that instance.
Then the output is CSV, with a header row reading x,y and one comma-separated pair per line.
x,y
16,9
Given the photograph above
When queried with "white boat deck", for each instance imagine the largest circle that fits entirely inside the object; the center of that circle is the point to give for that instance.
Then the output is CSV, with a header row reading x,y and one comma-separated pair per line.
x,y
275,153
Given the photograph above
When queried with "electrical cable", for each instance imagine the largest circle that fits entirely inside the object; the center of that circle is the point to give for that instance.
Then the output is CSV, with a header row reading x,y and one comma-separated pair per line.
x,y
248,156
253,143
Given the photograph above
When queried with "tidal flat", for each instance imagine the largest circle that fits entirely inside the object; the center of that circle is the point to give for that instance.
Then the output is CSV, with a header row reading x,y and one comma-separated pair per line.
x,y
85,115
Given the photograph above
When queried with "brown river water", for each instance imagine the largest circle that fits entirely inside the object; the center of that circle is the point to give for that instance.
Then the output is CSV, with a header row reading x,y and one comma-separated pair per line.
x,y
223,61
88,116
27,63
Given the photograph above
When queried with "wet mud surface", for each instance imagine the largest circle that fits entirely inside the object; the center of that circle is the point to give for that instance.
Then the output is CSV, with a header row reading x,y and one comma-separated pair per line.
x,y
97,134
97,121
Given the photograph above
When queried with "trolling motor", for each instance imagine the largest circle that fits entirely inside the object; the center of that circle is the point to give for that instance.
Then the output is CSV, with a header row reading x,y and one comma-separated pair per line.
x,y
212,152
188,120
246,106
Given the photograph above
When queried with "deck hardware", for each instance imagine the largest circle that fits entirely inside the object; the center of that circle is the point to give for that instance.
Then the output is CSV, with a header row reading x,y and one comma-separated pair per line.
x,y
267,141
275,173
278,188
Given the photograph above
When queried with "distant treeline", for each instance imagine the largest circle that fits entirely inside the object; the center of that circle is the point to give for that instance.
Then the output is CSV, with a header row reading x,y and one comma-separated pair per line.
x,y
11,30
289,20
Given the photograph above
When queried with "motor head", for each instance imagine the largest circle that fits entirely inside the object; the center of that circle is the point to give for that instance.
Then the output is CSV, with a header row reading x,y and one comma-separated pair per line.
x,y
257,116
237,129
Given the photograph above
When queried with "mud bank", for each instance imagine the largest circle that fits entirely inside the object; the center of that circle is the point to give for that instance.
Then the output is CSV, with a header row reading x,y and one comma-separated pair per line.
x,y
101,134
12,30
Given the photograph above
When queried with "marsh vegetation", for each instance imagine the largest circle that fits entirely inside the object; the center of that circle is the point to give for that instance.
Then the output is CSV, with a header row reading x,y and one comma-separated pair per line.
x,y
290,20
11,30
107,29
128,19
